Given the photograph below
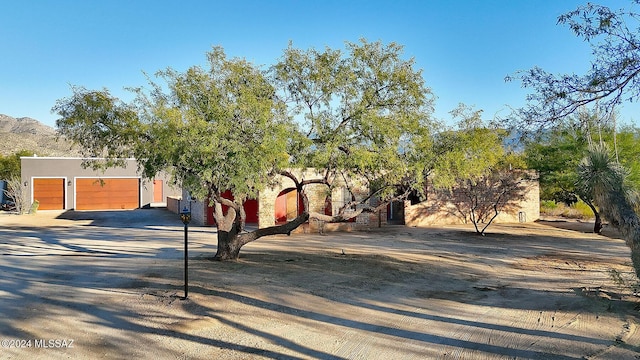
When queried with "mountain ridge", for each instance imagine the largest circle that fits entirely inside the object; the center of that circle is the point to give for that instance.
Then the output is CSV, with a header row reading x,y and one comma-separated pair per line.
x,y
25,133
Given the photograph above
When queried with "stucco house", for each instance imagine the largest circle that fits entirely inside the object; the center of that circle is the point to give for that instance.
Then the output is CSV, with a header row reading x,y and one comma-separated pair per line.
x,y
441,207
281,203
60,183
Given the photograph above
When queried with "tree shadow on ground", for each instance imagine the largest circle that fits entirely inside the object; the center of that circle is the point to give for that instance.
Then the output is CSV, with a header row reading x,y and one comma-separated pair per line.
x,y
136,218
356,278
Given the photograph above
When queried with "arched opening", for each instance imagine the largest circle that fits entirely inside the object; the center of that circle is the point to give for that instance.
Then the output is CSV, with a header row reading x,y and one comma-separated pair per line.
x,y
288,205
328,206
251,208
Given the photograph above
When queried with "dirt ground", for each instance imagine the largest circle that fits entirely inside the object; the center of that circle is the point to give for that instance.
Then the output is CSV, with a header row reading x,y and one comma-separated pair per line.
x,y
80,285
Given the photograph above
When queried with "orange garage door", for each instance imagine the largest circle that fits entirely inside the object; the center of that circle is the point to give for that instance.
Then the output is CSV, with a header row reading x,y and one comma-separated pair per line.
x,y
107,194
49,193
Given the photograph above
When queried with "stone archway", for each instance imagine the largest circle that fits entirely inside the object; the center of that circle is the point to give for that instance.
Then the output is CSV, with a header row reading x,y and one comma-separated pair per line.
x,y
288,205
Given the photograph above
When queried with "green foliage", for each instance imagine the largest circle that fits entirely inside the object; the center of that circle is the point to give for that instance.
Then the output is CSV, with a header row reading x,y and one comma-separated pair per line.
x,y
470,151
557,153
473,167
614,37
358,115
583,209
547,206
10,165
627,144
362,112
102,124
578,210
555,156
213,129
34,207
601,175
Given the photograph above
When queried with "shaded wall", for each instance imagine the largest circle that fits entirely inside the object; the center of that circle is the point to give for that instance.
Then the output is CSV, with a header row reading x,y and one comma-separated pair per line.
x,y
438,209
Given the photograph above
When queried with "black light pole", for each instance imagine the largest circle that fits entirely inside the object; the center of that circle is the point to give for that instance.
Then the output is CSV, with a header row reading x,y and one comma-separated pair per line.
x,y
185,216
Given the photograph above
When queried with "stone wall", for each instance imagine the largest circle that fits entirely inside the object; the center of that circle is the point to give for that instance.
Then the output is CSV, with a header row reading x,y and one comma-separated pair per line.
x,y
316,193
173,204
439,209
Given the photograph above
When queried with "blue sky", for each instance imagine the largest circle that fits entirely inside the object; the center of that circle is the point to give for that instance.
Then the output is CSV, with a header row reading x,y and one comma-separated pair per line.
x,y
465,48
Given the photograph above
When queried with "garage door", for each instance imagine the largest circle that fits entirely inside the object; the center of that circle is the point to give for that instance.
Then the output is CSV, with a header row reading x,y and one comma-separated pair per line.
x,y
107,194
49,193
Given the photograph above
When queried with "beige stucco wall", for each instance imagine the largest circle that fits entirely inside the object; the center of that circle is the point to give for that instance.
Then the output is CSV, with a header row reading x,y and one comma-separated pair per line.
x,y
438,211
316,193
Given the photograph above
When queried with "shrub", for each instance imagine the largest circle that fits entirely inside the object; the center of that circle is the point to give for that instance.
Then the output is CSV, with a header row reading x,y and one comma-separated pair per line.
x,y
548,205
579,210
34,207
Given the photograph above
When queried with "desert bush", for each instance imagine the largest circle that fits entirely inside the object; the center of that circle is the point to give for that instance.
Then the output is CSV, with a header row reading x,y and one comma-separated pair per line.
x,y
548,205
15,192
625,281
579,210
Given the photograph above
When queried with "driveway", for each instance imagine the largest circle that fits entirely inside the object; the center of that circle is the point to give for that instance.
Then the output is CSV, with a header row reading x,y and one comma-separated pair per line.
x,y
109,285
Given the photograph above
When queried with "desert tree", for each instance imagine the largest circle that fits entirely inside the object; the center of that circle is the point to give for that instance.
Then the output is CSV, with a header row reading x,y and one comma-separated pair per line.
x,y
601,175
234,127
212,129
363,116
480,201
16,192
614,37
474,172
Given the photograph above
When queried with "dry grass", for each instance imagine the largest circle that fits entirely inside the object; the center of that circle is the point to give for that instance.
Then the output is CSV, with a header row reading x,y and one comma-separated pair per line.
x,y
579,210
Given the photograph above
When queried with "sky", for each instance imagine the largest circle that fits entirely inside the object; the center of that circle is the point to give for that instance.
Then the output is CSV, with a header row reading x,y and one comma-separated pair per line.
x,y
464,48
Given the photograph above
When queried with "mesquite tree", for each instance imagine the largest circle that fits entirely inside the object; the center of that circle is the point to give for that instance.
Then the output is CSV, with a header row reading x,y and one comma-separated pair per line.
x,y
233,127
614,37
474,172
614,77
363,116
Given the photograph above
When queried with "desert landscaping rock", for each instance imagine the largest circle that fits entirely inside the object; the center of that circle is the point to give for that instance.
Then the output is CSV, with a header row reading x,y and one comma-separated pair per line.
x,y
111,284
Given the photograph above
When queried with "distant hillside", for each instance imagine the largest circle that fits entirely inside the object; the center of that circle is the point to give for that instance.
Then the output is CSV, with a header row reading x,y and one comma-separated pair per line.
x,y
30,134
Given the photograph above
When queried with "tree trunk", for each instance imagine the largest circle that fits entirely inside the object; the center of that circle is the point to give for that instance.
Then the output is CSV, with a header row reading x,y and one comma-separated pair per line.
x,y
231,237
230,242
597,226
229,245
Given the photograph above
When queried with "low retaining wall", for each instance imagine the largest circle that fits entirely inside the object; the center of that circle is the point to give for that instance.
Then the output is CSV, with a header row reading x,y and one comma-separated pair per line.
x,y
173,204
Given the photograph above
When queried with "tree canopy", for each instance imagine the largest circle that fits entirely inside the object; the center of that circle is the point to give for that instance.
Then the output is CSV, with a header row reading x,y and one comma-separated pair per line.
x,y
475,171
614,37
359,113
10,164
232,126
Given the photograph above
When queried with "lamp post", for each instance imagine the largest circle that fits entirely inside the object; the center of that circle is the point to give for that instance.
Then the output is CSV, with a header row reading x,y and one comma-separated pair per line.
x,y
185,216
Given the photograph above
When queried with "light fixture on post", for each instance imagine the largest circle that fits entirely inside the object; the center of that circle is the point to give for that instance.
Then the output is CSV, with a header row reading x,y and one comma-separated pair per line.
x,y
185,216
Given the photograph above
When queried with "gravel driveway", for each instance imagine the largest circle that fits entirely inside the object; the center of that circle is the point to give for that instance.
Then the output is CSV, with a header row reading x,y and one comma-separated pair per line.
x,y
79,285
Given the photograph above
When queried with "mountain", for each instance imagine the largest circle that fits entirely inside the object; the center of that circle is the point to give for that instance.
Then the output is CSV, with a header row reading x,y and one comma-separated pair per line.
x,y
25,133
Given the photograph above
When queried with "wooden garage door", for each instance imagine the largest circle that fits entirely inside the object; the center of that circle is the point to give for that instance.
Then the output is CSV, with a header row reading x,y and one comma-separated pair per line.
x,y
107,194
49,193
